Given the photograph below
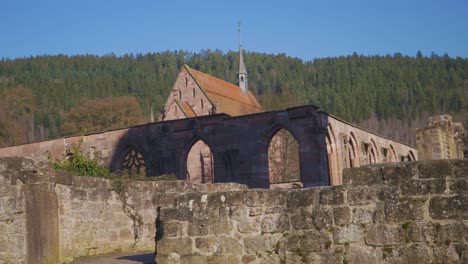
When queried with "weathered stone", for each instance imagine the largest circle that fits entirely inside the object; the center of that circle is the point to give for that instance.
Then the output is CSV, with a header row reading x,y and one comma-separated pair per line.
x,y
183,246
180,214
435,169
346,234
360,196
362,254
423,187
322,218
303,220
220,227
246,259
454,207
420,231
198,228
249,226
389,193
362,216
414,254
301,198
332,196
398,172
221,259
264,197
207,245
450,232
384,235
275,223
459,186
173,229
192,259
404,209
362,176
257,244
311,240
342,215
450,253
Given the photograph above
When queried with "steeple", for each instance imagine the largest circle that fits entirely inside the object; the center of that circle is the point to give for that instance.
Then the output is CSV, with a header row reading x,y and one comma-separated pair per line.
x,y
242,74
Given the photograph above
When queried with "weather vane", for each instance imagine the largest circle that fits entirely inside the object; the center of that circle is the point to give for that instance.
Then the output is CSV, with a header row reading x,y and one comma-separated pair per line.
x,y
239,29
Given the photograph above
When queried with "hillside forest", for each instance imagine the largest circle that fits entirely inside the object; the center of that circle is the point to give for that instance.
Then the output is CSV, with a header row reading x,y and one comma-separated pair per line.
x,y
54,96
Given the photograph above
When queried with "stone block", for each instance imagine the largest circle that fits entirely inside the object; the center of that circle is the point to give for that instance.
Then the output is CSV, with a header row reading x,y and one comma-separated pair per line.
x,y
173,228
342,215
247,259
302,220
322,218
164,199
247,227
362,216
414,254
445,233
183,246
300,198
220,227
254,198
458,186
400,172
420,231
275,223
454,207
404,209
346,234
451,253
208,245
198,228
423,187
257,244
221,259
362,254
180,214
310,240
362,176
388,193
436,169
361,196
192,259
385,235
332,196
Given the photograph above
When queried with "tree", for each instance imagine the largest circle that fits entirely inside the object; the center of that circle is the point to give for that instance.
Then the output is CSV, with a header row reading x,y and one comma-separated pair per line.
x,y
17,107
96,115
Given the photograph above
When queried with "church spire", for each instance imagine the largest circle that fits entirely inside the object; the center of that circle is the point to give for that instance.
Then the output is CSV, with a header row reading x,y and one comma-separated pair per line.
x,y
242,74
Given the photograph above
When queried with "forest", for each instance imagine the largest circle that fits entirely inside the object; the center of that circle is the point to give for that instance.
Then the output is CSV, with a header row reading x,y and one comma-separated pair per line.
x,y
53,96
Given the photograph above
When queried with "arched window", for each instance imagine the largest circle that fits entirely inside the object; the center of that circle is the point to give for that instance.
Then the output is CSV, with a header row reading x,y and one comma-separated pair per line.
x,y
180,95
352,154
186,81
201,103
333,167
283,158
200,163
133,163
193,92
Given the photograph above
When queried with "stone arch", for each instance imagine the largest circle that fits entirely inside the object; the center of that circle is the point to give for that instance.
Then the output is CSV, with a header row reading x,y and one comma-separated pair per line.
x,y
352,151
373,152
283,156
199,162
332,155
393,156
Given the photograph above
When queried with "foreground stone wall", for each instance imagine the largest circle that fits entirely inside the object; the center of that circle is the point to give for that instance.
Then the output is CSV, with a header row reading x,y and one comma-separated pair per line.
x,y
412,212
402,213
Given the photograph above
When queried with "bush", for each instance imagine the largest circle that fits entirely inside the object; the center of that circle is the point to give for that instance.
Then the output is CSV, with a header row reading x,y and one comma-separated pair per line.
x,y
78,164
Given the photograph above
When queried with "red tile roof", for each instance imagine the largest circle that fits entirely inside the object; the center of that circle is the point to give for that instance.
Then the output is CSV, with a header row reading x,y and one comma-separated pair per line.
x,y
229,98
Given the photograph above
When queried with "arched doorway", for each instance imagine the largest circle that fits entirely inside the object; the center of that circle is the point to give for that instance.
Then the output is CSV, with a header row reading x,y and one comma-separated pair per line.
x,y
200,163
283,158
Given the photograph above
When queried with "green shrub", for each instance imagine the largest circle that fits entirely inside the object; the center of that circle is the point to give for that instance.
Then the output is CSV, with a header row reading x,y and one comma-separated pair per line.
x,y
81,165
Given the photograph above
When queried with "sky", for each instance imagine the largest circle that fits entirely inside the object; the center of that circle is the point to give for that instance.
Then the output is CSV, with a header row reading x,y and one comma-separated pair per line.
x,y
304,29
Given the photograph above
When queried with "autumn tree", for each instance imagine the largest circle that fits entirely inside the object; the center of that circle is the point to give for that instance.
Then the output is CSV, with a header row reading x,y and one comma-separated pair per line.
x,y
101,114
17,107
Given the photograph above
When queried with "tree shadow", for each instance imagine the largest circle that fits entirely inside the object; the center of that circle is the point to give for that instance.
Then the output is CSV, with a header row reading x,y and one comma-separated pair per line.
x,y
147,258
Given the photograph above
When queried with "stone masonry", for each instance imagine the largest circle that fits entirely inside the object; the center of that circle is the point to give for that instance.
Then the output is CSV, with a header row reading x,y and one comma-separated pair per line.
x,y
410,212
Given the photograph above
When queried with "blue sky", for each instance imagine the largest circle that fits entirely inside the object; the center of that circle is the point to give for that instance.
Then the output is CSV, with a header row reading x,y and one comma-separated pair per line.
x,y
304,29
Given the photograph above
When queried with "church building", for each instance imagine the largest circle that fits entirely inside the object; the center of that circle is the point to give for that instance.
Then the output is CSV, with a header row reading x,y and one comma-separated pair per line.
x,y
197,94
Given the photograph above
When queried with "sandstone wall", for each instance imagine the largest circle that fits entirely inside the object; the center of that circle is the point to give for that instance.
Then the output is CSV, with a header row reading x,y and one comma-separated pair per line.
x,y
402,213
412,212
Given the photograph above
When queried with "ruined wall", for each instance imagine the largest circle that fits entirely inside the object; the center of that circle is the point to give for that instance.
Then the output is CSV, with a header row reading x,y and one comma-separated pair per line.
x,y
349,146
412,212
440,139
